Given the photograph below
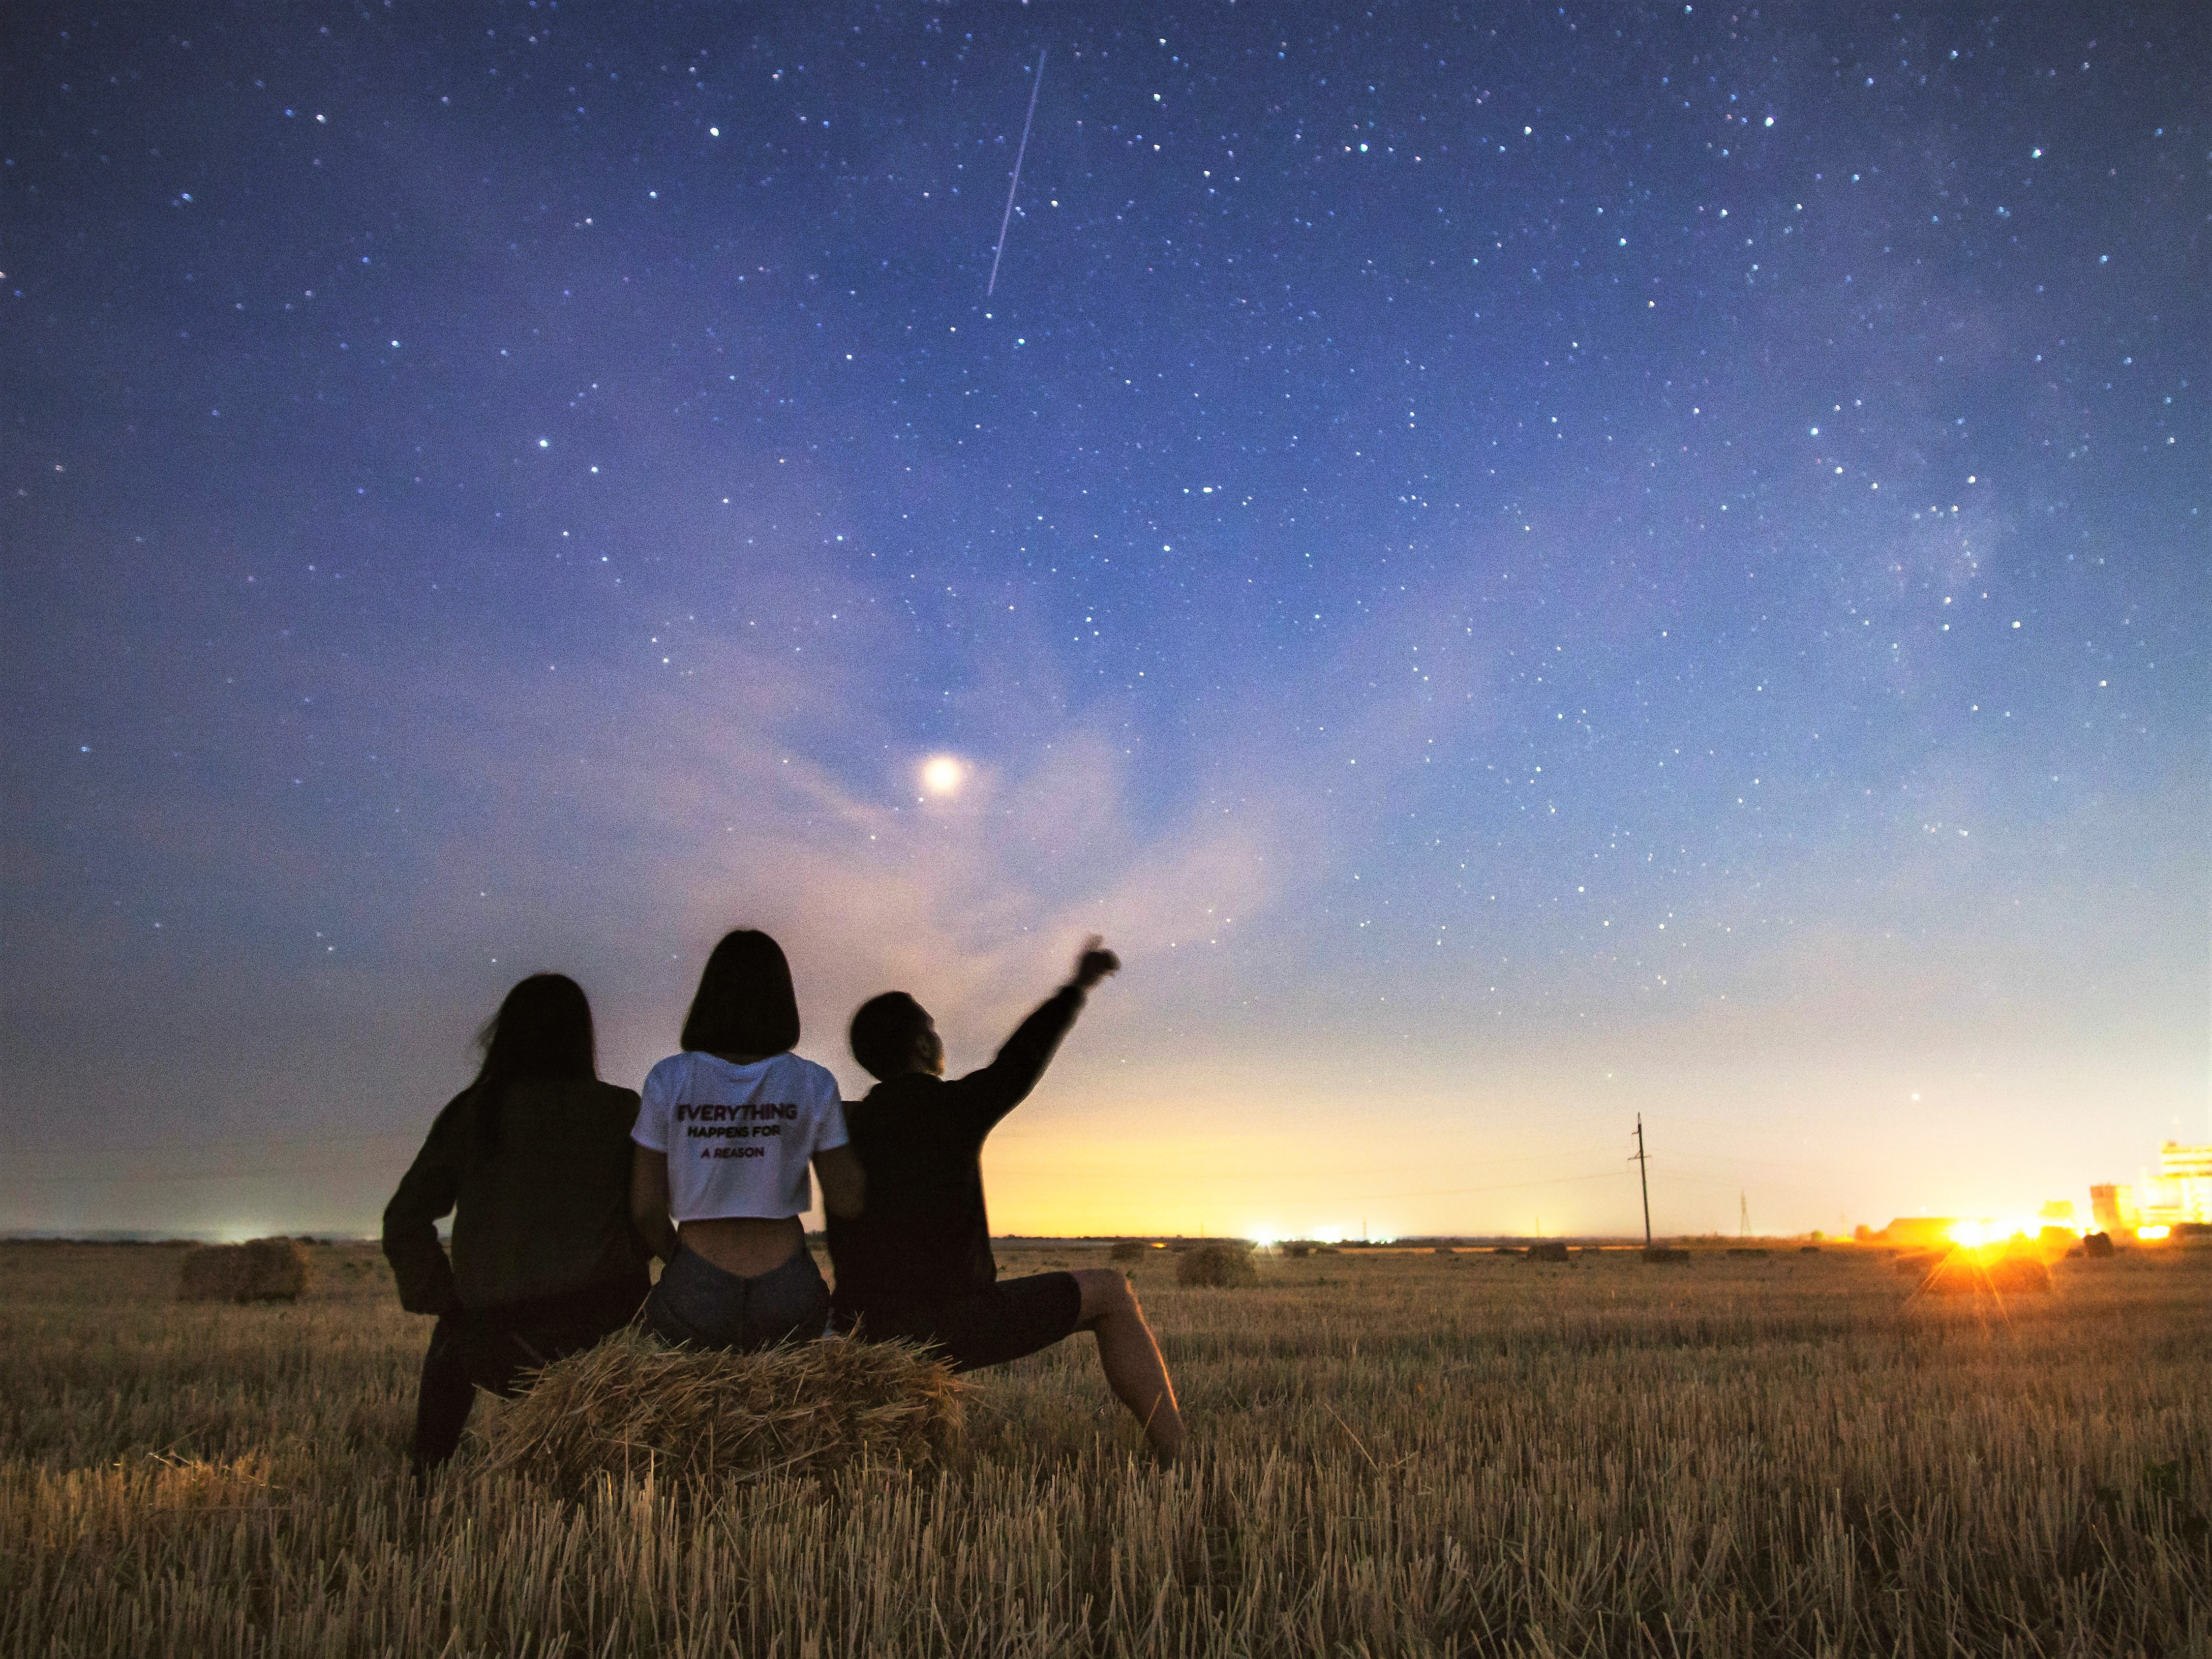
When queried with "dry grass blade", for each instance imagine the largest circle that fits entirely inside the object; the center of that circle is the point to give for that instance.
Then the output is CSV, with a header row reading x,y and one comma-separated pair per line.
x,y
633,1402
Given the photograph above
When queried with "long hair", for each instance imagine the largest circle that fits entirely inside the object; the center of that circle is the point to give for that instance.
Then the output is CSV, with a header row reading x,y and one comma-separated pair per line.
x,y
744,1003
542,1030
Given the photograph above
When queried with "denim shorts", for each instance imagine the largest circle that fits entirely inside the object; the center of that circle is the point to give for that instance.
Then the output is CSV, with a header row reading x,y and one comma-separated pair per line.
x,y
699,1304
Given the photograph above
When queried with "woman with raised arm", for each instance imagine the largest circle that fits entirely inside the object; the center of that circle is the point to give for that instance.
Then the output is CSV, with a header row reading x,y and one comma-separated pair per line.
x,y
532,1162
725,1137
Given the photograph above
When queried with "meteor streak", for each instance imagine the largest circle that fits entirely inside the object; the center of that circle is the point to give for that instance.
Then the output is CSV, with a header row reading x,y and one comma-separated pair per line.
x,y
1021,149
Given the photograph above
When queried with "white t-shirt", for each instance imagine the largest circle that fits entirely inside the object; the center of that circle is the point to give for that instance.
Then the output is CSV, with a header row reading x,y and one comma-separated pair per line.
x,y
738,1137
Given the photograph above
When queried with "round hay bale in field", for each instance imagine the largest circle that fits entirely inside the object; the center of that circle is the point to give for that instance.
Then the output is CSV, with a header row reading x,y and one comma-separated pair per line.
x,y
1128,1249
1550,1249
1222,1263
2096,1245
632,1402
1964,1273
260,1270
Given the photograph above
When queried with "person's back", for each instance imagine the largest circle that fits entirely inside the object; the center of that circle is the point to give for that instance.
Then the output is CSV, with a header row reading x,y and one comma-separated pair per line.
x,y
726,1137
548,1213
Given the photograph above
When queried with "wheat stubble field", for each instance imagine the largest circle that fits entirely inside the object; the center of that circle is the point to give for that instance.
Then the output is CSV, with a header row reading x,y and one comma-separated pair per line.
x,y
1401,1454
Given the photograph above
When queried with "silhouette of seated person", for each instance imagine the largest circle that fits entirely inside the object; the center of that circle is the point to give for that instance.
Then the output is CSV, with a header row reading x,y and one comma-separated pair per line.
x,y
533,1161
917,1262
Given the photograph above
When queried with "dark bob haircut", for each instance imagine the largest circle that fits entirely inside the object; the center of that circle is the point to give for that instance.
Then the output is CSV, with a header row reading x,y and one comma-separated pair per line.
x,y
746,1005
884,1033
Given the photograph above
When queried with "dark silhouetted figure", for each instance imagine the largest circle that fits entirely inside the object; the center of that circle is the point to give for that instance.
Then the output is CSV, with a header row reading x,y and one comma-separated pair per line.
x,y
917,1262
533,1161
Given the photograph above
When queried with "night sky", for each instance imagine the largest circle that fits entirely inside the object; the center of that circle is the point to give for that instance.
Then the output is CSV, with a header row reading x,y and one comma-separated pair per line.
x,y
1524,564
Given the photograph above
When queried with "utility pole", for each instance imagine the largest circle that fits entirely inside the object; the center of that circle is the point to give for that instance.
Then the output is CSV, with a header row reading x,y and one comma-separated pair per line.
x,y
1644,1175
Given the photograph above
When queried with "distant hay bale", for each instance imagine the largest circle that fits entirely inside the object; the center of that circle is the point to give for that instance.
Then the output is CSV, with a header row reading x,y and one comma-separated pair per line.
x,y
1550,1249
632,1402
1963,1273
1129,1249
1223,1263
2096,1245
1665,1252
260,1270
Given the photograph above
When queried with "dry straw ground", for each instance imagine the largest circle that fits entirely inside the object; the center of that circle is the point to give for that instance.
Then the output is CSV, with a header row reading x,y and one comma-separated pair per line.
x,y
1402,1455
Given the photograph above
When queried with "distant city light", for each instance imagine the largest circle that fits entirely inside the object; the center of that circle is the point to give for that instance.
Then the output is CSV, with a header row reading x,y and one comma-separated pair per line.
x,y
942,776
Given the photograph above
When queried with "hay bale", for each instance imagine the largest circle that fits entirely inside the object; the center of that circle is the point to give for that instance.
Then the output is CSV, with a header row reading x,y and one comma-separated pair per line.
x,y
1550,1249
1964,1273
1221,1263
2096,1245
260,1270
1128,1249
632,1402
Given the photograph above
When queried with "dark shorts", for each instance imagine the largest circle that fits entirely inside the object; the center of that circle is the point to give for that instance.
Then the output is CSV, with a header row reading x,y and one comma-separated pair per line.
x,y
696,1302
1013,1318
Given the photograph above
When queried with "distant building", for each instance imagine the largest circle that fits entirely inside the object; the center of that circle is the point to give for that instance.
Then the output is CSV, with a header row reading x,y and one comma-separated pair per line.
x,y
2114,1207
2060,1210
2182,1191
1914,1231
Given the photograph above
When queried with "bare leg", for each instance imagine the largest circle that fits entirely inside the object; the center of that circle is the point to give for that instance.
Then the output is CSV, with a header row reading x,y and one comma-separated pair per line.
x,y
1135,1370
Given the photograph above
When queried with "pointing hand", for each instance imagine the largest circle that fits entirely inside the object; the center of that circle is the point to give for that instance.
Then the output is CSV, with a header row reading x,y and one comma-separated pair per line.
x,y
1094,963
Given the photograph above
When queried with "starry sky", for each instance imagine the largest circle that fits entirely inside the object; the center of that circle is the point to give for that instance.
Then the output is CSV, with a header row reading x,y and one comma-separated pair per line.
x,y
1526,564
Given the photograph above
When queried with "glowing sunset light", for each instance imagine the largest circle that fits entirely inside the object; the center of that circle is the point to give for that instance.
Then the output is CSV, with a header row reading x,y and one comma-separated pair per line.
x,y
1999,1230
942,776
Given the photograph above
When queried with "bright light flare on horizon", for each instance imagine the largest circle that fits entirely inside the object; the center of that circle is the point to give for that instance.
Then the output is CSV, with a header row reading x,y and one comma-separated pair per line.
x,y
1998,1230
942,776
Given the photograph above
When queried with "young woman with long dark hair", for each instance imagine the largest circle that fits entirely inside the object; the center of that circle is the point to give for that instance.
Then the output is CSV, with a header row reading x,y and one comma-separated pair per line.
x,y
533,1161
725,1137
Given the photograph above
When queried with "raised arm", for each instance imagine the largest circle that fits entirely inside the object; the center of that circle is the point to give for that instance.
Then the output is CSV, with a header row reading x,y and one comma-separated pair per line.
x,y
1003,1084
426,1192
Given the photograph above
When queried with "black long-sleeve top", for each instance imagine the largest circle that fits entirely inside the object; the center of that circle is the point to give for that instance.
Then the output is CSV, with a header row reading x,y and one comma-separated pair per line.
x,y
541,1207
924,1236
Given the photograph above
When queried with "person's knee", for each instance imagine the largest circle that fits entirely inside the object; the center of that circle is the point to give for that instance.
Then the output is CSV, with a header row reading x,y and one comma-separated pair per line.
x,y
1105,1292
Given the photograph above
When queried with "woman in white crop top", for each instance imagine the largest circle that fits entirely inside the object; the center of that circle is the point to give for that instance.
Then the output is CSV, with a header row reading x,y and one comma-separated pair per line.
x,y
726,1132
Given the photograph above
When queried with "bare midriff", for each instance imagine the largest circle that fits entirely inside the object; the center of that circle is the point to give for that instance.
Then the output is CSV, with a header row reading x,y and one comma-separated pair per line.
x,y
746,1245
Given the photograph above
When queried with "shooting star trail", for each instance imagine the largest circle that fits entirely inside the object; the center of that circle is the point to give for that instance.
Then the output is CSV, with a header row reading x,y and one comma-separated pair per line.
x,y
1022,149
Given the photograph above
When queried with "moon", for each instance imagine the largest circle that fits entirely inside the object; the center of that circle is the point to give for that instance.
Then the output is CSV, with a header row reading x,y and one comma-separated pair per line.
x,y
942,775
